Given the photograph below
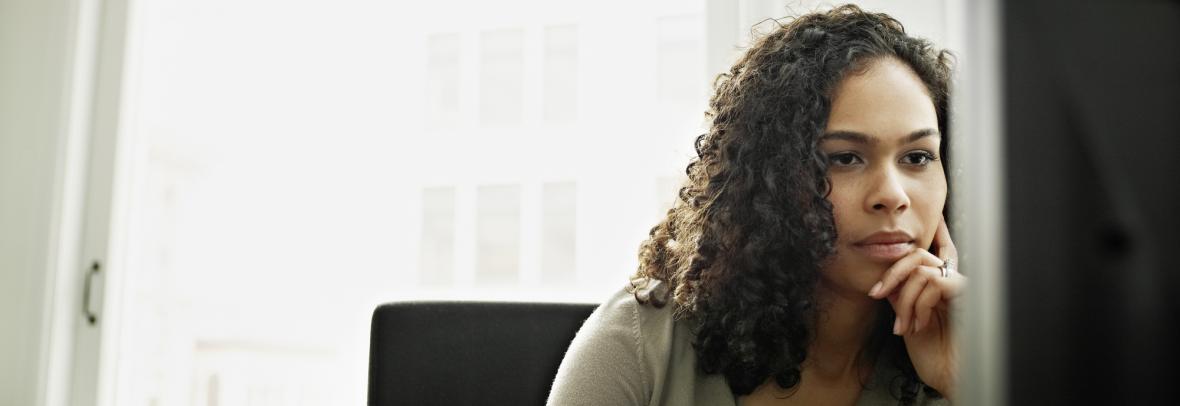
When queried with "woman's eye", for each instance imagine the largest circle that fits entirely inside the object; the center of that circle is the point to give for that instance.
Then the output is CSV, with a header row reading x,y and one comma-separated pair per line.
x,y
843,159
920,158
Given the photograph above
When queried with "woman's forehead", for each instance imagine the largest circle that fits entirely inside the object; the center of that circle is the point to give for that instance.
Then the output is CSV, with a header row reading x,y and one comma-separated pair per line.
x,y
887,100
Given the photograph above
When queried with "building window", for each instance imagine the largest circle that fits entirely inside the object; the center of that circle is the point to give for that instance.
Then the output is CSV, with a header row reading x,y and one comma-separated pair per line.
x,y
497,233
561,74
437,253
558,231
679,57
501,77
443,81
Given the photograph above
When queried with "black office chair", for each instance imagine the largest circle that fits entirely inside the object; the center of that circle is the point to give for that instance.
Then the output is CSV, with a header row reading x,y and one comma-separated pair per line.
x,y
469,353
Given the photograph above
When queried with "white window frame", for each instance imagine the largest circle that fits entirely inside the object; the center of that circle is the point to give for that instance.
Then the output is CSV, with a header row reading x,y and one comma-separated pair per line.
x,y
59,149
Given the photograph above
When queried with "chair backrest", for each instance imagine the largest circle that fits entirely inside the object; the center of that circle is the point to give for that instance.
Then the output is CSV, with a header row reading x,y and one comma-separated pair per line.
x,y
469,353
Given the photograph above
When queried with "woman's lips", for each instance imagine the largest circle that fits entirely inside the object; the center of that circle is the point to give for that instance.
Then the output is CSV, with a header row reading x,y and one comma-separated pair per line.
x,y
890,252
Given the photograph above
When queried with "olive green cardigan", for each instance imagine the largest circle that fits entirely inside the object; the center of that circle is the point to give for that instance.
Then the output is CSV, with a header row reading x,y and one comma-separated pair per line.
x,y
632,354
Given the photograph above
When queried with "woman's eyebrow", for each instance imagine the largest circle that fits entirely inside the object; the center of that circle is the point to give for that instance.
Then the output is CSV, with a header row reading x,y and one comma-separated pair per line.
x,y
862,138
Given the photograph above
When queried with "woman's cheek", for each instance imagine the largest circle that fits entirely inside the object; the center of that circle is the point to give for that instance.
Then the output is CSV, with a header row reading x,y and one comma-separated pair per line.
x,y
840,210
932,217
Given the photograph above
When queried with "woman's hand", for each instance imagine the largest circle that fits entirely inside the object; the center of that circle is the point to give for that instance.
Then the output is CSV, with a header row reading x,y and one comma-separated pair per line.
x,y
921,297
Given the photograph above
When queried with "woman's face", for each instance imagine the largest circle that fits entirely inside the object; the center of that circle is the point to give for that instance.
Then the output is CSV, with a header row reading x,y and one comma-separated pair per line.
x,y
888,183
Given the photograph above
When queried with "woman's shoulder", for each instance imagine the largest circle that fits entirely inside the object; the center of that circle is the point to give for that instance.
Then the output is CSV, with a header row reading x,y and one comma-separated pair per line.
x,y
616,356
646,297
630,313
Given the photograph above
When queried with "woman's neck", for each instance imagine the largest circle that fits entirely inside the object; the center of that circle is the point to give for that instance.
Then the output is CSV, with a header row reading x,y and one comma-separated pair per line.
x,y
843,325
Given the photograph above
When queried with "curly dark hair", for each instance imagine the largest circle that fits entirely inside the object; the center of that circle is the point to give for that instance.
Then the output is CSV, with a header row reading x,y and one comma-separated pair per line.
x,y
741,251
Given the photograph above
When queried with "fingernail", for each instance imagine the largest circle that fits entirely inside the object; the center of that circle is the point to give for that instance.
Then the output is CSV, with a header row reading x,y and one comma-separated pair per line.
x,y
896,327
875,290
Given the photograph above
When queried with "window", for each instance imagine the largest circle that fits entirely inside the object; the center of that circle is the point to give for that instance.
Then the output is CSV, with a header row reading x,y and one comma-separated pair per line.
x,y
501,77
443,68
559,233
497,230
561,74
680,56
293,179
437,258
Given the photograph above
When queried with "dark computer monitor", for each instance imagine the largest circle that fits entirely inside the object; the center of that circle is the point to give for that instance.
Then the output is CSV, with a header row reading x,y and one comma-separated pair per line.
x,y
1092,178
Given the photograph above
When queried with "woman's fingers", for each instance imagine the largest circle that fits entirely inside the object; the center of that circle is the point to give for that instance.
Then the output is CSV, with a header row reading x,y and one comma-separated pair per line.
x,y
924,306
905,299
937,291
944,246
901,270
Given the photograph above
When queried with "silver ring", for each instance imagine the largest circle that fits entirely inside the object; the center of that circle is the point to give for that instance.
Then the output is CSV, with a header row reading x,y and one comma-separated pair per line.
x,y
948,266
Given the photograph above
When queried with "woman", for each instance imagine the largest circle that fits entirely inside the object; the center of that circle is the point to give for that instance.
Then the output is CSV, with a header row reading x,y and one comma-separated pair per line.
x,y
808,260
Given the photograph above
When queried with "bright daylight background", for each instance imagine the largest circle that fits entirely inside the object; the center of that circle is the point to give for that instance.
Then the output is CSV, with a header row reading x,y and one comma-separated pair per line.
x,y
299,162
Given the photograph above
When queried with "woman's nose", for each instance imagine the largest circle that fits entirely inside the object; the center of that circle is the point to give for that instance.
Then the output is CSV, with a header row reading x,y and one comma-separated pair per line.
x,y
886,193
